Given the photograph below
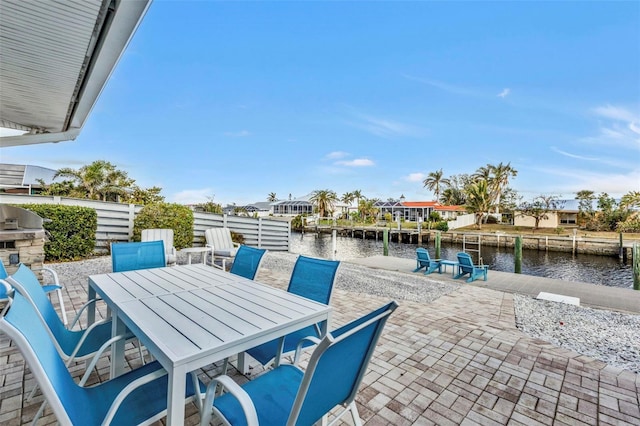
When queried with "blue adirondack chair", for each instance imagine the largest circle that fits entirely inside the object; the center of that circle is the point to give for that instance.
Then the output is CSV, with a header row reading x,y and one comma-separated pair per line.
x,y
139,255
425,262
247,261
139,396
466,266
288,395
311,278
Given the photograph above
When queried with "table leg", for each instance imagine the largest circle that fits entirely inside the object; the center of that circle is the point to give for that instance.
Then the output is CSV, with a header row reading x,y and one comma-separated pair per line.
x,y
175,396
91,313
117,366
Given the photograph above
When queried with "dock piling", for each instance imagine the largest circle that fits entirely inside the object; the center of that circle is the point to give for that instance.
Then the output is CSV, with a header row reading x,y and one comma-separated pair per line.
x,y
438,241
518,254
636,266
385,242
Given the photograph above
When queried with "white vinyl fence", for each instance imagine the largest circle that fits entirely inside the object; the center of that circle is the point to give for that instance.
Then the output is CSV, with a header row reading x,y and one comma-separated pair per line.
x,y
461,221
115,222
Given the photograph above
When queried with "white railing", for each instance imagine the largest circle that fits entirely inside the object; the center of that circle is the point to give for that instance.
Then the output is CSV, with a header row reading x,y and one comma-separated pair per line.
x,y
115,222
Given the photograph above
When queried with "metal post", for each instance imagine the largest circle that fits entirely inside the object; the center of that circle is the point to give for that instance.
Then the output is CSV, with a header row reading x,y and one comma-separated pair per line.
x,y
334,242
437,244
636,266
385,242
518,255
621,252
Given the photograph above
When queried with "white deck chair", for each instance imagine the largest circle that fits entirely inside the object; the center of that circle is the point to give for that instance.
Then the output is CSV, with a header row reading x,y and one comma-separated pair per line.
x,y
166,235
221,244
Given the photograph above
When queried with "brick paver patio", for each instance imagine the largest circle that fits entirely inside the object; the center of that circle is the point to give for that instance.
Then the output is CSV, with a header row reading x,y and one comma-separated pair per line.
x,y
457,360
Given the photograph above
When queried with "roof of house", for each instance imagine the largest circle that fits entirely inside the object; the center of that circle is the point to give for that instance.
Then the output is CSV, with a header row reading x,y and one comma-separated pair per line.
x,y
420,204
20,175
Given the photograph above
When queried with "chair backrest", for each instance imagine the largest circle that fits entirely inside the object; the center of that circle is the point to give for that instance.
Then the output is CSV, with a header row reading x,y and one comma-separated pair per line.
x,y
423,254
247,261
166,235
26,283
140,255
3,271
219,238
337,367
57,385
313,278
465,261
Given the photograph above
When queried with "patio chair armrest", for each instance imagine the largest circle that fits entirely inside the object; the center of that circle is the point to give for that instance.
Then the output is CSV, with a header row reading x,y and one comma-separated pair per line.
x,y
97,355
84,337
234,389
81,310
53,273
296,356
130,388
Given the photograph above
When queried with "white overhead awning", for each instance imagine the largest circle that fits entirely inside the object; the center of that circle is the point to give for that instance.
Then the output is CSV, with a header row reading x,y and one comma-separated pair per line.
x,y
55,59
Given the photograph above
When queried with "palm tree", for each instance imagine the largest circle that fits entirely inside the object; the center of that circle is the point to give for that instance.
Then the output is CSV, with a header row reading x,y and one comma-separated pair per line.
x,y
98,180
499,181
478,200
324,200
483,173
348,198
357,194
272,197
433,182
368,210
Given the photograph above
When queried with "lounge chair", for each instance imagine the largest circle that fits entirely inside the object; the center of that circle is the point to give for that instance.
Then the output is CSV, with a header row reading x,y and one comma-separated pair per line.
x,y
289,395
423,260
136,397
48,288
141,255
166,235
466,266
247,261
221,244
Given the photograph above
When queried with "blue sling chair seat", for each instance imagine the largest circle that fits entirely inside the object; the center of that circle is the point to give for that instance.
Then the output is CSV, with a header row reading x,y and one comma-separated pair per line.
x,y
136,397
55,286
311,278
287,395
247,261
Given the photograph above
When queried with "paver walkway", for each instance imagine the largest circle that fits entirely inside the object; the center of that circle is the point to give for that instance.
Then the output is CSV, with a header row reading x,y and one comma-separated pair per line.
x,y
457,360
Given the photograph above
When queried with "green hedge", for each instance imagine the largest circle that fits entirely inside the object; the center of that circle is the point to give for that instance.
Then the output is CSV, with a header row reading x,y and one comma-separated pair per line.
x,y
71,230
166,216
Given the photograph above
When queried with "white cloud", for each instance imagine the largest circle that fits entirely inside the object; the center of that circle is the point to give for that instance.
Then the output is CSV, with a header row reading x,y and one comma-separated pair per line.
x,y
239,134
385,128
458,90
336,155
578,157
415,177
192,196
574,180
616,113
504,93
358,162
618,127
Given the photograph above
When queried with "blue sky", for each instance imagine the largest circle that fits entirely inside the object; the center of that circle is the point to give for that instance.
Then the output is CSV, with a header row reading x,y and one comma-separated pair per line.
x,y
235,100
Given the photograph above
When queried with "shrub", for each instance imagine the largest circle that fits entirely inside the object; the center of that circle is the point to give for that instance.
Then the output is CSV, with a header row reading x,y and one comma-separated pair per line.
x,y
442,226
435,217
71,230
296,223
166,215
632,224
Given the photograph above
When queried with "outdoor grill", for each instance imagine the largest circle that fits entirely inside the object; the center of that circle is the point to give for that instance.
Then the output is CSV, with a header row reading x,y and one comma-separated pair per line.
x,y
22,238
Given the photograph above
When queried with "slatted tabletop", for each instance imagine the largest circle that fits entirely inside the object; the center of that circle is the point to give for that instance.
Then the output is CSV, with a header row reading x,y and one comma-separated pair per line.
x,y
193,315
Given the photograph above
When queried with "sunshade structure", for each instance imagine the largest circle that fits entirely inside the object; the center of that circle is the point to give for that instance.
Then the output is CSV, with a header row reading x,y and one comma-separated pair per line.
x,y
55,59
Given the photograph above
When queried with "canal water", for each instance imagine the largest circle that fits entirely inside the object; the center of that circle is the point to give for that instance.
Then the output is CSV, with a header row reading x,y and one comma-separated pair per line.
x,y
602,270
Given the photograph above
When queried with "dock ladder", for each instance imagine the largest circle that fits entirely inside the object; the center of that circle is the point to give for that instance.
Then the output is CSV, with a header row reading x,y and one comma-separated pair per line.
x,y
472,243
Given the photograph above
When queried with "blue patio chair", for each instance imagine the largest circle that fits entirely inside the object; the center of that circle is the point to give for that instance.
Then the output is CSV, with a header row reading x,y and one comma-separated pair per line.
x,y
287,395
137,397
424,262
311,278
48,288
466,266
247,261
139,255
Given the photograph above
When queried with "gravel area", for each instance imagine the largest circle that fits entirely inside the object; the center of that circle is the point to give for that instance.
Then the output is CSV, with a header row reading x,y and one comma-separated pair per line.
x,y
611,337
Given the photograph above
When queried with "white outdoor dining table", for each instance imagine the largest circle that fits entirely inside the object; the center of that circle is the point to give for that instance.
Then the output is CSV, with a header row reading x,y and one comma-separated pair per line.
x,y
190,316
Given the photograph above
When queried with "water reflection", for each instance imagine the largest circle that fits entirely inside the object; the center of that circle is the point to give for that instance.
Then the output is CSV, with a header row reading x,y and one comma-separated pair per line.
x,y
603,270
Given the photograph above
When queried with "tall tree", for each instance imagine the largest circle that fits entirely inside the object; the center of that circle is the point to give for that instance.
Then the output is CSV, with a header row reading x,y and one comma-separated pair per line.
x,y
478,200
539,208
367,210
99,180
324,200
348,198
630,200
499,181
586,212
433,181
272,197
